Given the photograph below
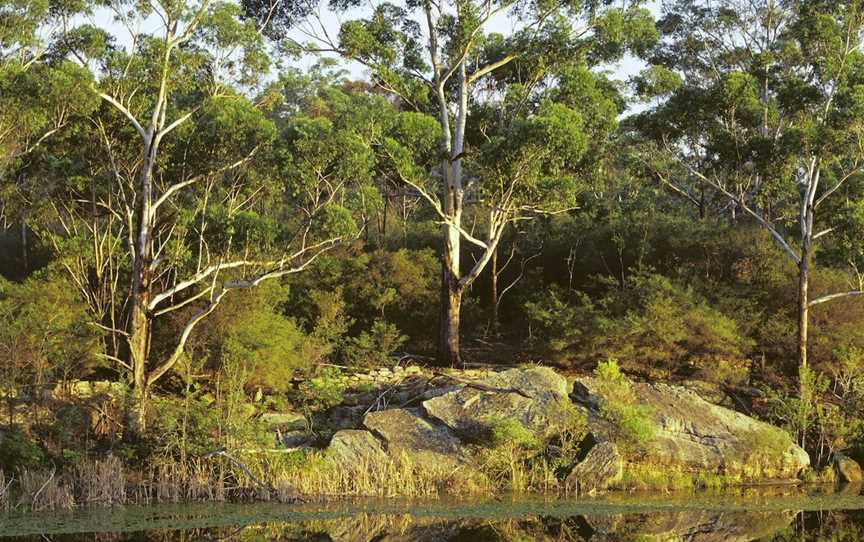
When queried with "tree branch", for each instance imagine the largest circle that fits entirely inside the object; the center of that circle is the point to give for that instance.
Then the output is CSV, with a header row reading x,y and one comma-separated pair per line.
x,y
120,107
491,67
831,297
767,225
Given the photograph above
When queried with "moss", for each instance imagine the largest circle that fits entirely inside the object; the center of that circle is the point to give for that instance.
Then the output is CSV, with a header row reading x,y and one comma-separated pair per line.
x,y
758,454
646,476
632,426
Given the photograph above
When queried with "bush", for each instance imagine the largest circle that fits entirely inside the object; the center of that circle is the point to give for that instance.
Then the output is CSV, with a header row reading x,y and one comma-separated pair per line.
x,y
320,393
651,325
631,423
821,427
253,332
18,451
373,348
507,452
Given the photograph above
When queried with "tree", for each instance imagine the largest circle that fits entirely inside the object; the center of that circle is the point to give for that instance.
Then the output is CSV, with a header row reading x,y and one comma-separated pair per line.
x,y
41,93
185,188
437,57
768,117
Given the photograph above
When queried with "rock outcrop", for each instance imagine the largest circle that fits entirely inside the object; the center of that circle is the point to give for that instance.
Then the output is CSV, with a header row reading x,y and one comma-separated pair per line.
x,y
694,435
600,468
405,432
355,447
848,470
689,434
532,396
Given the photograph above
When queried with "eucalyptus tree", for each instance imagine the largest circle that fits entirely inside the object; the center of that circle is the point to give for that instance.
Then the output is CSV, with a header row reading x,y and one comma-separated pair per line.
x,y
40,94
181,188
440,57
769,118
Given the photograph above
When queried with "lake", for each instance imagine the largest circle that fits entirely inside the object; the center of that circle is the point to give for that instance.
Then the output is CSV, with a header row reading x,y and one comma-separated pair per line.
x,y
778,514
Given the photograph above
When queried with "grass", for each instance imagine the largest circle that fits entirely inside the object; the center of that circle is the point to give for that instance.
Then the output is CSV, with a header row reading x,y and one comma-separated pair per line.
x,y
645,476
4,491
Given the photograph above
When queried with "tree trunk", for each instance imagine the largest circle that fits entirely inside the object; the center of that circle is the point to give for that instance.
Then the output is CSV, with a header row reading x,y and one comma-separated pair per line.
x,y
139,345
449,353
139,321
803,314
494,285
451,300
451,287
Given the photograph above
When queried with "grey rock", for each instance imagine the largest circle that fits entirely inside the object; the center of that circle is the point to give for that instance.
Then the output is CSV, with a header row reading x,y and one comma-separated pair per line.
x,y
406,433
283,420
848,470
601,467
352,447
532,396
298,439
694,435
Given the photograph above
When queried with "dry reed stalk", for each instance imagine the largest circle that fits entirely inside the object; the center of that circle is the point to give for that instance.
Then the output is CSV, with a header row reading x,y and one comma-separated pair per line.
x,y
101,482
5,488
42,490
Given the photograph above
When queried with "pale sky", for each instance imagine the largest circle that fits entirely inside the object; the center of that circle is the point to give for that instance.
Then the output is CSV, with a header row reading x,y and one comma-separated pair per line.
x,y
501,24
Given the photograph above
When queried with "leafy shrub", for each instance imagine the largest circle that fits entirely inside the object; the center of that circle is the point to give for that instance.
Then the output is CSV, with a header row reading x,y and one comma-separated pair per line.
x,y
19,451
631,423
321,392
508,448
821,427
651,325
374,347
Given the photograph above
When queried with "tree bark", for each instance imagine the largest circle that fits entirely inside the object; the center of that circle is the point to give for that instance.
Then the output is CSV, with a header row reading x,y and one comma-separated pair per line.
x,y
140,318
449,353
494,285
804,311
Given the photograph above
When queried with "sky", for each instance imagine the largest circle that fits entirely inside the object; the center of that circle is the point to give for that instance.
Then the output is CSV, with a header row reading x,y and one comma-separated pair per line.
x,y
628,67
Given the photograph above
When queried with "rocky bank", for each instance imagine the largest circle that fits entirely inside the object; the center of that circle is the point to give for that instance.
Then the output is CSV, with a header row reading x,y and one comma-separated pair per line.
x,y
439,425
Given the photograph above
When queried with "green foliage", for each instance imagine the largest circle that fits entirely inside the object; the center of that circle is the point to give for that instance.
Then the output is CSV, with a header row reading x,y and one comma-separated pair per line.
x,y
651,324
631,423
321,392
47,336
509,449
374,347
818,425
251,332
19,451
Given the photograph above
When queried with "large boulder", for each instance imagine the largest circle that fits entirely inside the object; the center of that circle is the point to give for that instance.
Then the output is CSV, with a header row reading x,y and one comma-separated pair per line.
x,y
353,447
689,525
533,396
693,435
406,433
848,470
286,421
601,467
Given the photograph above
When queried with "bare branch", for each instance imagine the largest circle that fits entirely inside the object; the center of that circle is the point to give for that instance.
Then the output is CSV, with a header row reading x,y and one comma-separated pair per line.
x,y
831,297
120,107
767,225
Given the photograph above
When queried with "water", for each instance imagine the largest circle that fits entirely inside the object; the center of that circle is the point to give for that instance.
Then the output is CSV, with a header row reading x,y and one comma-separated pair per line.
x,y
780,515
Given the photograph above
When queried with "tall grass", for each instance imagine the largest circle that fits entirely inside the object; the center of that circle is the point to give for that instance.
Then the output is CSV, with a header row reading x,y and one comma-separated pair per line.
x,y
100,482
400,476
4,491
44,490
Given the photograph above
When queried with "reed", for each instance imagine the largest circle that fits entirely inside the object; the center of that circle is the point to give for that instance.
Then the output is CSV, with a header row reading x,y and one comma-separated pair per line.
x,y
101,482
5,487
44,490
397,477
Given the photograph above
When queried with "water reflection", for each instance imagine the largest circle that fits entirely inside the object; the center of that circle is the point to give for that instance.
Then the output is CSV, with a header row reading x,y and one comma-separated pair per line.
x,y
835,518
